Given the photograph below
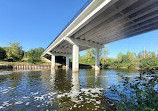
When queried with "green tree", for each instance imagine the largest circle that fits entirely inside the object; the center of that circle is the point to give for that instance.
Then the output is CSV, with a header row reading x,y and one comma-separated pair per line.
x,y
152,55
149,63
104,52
16,52
130,56
2,54
34,55
90,53
8,53
119,56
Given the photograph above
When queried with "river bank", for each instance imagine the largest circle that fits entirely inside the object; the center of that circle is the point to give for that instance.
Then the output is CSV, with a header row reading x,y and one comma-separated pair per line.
x,y
24,65
29,66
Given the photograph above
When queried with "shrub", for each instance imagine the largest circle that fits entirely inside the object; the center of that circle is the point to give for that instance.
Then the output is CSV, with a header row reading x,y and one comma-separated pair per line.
x,y
149,63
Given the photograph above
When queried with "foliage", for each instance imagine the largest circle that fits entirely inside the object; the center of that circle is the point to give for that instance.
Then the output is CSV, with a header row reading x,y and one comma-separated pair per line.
x,y
34,55
143,59
16,52
90,54
123,60
8,54
149,63
89,58
104,52
141,94
83,60
2,54
119,56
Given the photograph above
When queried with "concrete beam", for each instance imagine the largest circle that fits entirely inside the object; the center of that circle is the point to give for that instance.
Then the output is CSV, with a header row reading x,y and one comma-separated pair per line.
x,y
80,42
46,59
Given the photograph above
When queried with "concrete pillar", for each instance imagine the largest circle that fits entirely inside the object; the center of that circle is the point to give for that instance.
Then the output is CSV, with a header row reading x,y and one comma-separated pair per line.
x,y
67,62
75,58
97,62
53,62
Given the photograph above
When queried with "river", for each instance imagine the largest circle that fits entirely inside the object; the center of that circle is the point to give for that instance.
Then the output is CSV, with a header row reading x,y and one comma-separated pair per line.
x,y
60,89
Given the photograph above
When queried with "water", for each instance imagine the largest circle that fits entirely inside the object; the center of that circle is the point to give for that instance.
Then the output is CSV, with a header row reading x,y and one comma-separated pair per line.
x,y
60,90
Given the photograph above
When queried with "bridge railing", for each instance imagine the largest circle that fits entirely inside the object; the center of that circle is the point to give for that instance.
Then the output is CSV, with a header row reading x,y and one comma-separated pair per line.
x,y
75,16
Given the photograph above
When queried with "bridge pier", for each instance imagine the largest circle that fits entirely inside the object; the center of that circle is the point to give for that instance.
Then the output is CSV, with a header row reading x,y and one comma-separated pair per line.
x,y
75,58
67,62
97,62
52,61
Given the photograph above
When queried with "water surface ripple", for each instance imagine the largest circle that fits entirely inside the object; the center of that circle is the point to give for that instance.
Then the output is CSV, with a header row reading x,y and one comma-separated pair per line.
x,y
59,89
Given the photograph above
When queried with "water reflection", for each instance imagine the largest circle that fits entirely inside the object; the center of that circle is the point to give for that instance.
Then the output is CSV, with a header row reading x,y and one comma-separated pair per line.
x,y
59,90
52,79
75,87
96,75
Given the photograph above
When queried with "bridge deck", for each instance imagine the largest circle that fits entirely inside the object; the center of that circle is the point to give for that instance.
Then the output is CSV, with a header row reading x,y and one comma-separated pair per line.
x,y
106,21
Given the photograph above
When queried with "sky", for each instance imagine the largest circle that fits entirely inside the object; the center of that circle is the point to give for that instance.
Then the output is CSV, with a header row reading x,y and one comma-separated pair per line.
x,y
35,23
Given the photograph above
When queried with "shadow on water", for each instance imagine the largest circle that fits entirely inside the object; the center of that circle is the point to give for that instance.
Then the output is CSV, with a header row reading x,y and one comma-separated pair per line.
x,y
60,89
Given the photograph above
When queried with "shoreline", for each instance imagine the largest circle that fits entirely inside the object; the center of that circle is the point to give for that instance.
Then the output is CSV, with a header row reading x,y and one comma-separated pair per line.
x,y
36,67
27,67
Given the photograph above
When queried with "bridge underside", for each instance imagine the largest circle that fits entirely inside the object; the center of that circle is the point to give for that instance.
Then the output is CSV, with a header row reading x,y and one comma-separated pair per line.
x,y
120,20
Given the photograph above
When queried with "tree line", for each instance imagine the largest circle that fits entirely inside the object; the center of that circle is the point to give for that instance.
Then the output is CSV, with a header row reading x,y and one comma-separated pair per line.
x,y
15,53
144,59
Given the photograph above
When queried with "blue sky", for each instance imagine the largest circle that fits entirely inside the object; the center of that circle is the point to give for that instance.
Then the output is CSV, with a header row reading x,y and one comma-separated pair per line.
x,y
35,23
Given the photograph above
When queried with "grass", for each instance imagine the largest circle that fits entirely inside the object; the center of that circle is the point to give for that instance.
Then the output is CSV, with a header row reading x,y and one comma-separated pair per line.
x,y
15,63
24,63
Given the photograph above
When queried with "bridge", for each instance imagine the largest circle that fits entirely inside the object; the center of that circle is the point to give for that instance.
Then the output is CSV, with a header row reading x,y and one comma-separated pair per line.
x,y
101,22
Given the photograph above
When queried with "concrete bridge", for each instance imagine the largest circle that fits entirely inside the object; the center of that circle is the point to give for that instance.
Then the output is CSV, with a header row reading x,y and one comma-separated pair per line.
x,y
101,22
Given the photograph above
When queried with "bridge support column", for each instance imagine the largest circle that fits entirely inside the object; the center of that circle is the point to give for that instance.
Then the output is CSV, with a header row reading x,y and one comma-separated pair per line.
x,y
97,62
67,62
53,61
75,58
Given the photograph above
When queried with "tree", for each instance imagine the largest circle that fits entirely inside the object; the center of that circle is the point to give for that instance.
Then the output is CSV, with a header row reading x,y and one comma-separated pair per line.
x,y
104,52
2,54
90,53
8,54
149,63
152,54
16,52
119,56
34,55
130,56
